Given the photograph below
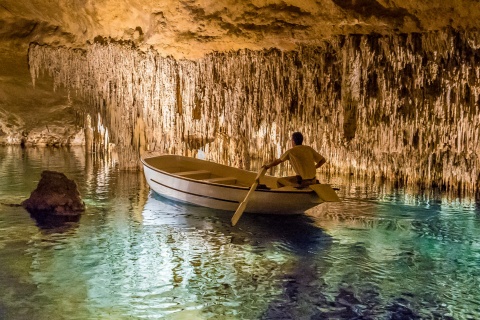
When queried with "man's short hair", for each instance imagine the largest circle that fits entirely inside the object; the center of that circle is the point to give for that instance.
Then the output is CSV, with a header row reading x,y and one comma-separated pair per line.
x,y
297,137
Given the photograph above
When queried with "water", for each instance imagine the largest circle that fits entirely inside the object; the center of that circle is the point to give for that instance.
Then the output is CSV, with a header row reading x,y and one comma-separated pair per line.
x,y
383,253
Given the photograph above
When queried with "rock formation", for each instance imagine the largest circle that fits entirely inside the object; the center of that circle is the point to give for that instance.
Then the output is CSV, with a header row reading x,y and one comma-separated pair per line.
x,y
55,196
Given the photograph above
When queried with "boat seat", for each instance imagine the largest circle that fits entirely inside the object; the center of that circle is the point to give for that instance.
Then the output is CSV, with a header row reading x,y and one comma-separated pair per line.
x,y
222,180
196,174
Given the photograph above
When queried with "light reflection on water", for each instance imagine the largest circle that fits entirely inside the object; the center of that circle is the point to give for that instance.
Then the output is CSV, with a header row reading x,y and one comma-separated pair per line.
x,y
380,253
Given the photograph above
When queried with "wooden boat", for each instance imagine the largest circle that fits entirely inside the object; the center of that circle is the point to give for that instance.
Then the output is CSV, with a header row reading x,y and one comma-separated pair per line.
x,y
217,186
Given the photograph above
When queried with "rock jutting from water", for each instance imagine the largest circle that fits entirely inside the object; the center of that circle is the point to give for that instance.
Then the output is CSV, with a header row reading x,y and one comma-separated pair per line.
x,y
55,196
403,107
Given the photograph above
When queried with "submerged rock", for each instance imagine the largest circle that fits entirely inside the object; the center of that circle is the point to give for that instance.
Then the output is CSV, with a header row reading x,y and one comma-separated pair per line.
x,y
55,196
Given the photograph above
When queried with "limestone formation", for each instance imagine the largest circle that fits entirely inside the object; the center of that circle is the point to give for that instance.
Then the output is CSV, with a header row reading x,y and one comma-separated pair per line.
x,y
55,196
403,107
384,88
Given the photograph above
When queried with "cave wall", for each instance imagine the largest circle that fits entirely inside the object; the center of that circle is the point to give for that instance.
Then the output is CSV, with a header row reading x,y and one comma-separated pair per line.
x,y
401,106
34,117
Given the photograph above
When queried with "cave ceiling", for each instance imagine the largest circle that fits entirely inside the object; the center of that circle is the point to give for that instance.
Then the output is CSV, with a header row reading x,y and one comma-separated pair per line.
x,y
191,28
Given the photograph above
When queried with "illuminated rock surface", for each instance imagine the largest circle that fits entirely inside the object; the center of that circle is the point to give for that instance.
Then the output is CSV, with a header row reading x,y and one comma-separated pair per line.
x,y
400,101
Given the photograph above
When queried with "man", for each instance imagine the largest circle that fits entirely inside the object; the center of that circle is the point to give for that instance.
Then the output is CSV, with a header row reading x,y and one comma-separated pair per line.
x,y
304,160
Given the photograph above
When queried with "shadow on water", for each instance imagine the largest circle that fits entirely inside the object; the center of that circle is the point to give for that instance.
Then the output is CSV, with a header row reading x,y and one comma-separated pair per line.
x,y
295,233
56,224
46,221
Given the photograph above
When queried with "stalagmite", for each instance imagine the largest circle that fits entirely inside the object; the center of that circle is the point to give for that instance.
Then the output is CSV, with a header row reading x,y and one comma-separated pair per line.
x,y
403,107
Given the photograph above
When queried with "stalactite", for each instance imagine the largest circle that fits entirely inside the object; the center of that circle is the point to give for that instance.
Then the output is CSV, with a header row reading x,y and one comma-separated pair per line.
x,y
403,107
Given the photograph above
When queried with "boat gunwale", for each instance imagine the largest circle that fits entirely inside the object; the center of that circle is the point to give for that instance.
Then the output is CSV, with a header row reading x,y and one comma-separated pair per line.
x,y
304,191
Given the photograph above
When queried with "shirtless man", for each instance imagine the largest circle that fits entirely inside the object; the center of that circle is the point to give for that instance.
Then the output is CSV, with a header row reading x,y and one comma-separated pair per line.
x,y
304,160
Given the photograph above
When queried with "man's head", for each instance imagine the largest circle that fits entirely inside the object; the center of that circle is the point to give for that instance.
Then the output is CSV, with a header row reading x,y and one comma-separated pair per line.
x,y
297,138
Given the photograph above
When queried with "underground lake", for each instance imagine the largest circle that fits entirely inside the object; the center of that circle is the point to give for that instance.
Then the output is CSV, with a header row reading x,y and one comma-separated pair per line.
x,y
384,252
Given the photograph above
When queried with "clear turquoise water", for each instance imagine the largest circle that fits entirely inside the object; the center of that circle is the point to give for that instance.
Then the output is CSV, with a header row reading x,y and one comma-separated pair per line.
x,y
382,253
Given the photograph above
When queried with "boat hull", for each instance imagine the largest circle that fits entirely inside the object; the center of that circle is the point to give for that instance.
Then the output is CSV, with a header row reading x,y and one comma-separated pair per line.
x,y
202,192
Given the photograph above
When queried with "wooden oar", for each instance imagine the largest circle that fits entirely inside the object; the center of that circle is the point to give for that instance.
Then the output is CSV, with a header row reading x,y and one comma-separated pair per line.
x,y
325,192
243,204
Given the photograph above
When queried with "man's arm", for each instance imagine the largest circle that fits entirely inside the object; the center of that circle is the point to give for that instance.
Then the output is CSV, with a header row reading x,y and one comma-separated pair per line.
x,y
273,163
320,163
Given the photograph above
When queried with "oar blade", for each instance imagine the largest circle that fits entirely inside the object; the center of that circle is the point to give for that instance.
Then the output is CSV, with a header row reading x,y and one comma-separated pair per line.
x,y
238,213
243,204
325,192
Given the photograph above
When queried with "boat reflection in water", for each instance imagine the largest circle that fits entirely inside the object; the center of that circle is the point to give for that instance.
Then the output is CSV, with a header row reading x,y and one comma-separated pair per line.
x,y
221,266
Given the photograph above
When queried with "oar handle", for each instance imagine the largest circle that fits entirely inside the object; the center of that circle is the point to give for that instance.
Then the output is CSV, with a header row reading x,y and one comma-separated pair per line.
x,y
255,183
260,174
